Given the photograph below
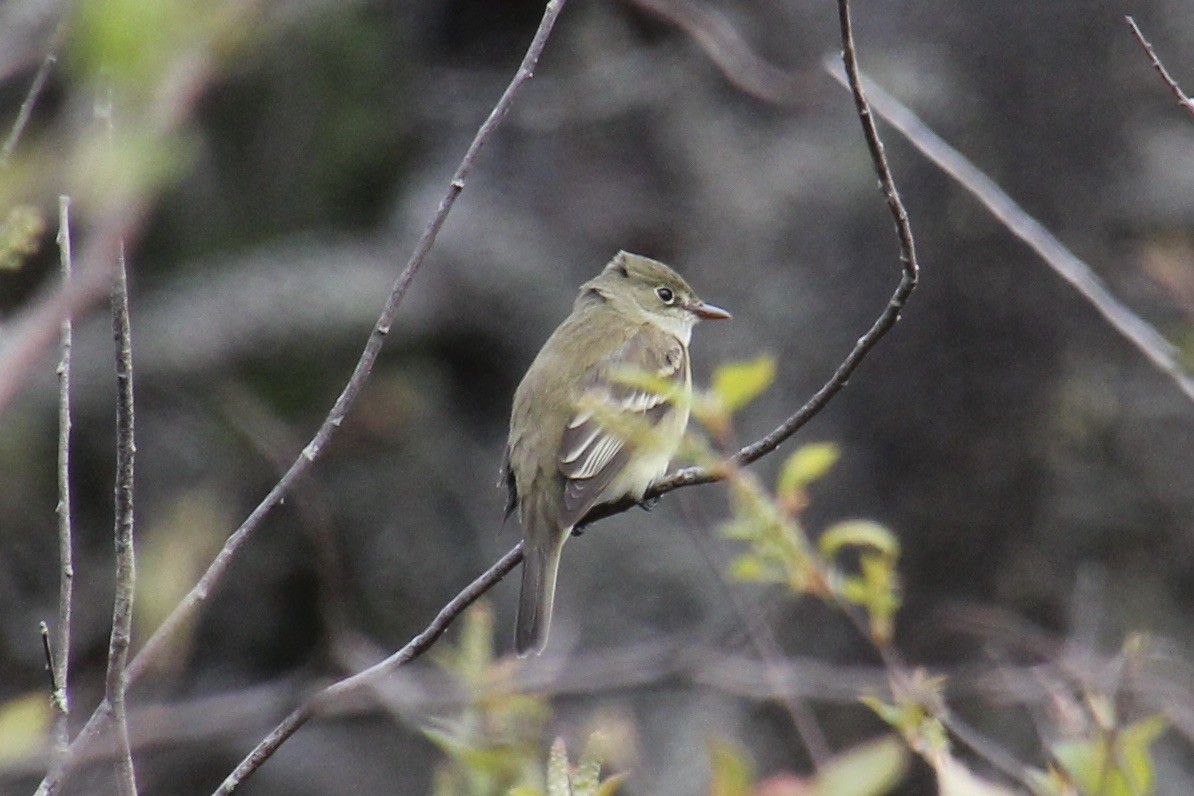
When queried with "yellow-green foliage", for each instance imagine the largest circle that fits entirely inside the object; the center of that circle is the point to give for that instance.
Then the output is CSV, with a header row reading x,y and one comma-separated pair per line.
x,y
493,746
493,743
869,769
24,725
565,779
20,234
854,562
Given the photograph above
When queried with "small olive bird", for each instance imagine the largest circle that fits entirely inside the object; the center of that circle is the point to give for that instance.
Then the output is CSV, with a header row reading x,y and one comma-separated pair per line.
x,y
583,431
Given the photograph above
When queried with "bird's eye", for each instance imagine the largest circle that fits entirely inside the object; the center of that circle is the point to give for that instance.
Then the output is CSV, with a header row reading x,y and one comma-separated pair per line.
x,y
665,294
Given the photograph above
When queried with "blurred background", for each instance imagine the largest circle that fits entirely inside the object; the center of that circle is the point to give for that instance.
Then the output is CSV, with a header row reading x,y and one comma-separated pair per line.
x,y
1036,469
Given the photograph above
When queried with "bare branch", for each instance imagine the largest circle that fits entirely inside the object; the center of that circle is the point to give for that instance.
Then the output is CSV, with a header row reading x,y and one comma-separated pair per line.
x,y
60,662
1182,99
334,692
116,680
35,88
1159,351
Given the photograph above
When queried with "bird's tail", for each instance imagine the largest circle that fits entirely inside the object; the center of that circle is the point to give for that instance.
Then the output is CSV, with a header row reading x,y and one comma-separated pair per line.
x,y
539,568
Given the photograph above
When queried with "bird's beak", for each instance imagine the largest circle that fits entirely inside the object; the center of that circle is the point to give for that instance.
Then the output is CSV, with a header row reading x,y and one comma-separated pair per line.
x,y
709,312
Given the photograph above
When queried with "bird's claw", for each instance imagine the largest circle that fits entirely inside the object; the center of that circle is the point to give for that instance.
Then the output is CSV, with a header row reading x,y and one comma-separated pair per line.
x,y
646,504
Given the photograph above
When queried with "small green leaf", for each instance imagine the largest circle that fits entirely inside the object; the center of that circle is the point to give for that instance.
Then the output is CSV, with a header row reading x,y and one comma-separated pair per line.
x,y
729,768
1122,767
1133,745
859,533
806,464
738,383
869,769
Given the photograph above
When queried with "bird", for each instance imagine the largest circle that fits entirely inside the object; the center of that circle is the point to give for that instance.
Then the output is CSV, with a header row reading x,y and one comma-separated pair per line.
x,y
598,416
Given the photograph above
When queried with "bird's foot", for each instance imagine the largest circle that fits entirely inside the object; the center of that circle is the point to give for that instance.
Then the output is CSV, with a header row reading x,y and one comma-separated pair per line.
x,y
646,504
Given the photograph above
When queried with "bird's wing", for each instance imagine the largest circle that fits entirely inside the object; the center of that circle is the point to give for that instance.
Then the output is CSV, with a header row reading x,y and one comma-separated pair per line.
x,y
591,452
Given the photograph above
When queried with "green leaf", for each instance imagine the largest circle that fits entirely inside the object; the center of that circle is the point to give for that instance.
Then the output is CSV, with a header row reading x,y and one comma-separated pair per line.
x,y
806,464
869,769
1133,746
729,768
1119,767
738,383
859,533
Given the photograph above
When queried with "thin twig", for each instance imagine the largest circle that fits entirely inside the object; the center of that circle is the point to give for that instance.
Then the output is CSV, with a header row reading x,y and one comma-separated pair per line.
x,y
39,82
1182,98
116,680
60,662
336,691
1159,351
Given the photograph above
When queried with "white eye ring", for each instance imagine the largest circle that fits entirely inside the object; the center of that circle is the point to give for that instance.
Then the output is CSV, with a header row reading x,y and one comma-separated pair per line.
x,y
665,295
